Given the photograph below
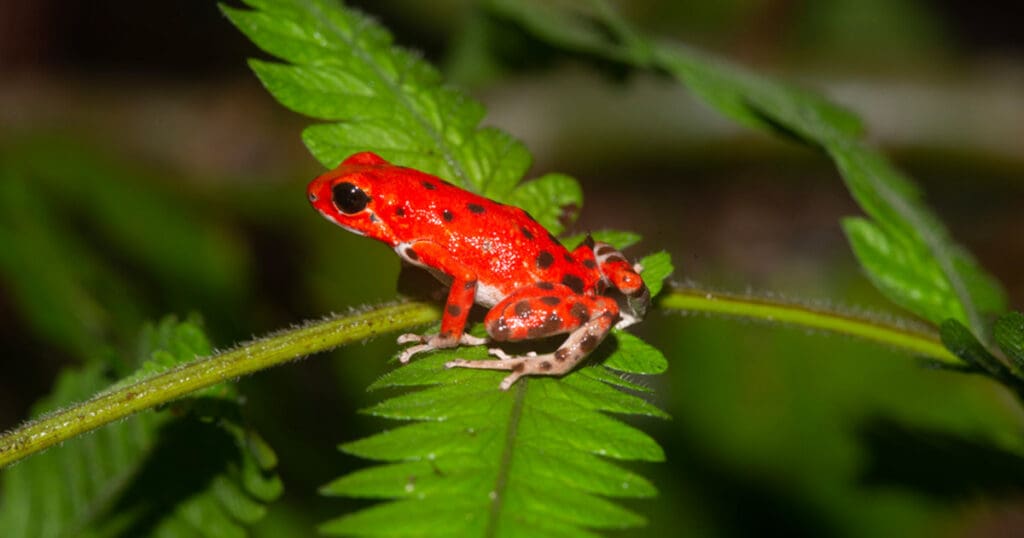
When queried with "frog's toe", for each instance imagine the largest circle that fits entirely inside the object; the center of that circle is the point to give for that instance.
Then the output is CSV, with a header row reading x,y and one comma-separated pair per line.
x,y
408,352
410,338
431,342
470,340
498,352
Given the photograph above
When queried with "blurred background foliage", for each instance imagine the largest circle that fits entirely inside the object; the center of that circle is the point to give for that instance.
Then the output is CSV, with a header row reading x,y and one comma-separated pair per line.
x,y
143,171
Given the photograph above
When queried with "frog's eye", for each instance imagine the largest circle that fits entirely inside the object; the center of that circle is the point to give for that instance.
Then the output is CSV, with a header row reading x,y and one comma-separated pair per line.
x,y
348,198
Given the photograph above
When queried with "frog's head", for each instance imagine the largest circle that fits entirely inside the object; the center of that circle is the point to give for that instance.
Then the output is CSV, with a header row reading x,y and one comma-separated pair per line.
x,y
345,196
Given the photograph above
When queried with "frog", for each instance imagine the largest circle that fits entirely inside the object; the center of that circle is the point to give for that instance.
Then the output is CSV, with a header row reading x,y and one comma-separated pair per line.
x,y
489,254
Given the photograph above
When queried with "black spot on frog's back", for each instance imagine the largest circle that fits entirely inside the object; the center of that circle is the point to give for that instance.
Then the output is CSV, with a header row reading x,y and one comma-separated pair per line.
x,y
574,283
545,259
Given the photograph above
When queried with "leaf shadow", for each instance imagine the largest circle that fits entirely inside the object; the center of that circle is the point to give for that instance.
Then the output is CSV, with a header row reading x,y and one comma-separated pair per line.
x,y
940,464
188,454
741,503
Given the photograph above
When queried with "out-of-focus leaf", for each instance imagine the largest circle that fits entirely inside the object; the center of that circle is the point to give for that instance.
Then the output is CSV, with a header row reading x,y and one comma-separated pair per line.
x,y
161,473
959,340
957,286
1009,334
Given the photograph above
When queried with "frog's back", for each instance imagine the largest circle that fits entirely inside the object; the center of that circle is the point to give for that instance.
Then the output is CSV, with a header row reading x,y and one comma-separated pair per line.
x,y
503,244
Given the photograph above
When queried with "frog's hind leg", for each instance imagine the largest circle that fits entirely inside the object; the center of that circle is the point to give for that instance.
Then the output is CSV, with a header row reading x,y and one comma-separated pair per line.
x,y
617,272
527,315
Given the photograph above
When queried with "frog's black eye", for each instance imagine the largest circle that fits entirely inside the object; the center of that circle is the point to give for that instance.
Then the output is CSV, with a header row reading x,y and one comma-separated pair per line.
x,y
348,198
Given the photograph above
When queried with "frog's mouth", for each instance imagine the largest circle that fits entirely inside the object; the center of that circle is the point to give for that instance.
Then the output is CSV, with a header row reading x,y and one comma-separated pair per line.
x,y
344,226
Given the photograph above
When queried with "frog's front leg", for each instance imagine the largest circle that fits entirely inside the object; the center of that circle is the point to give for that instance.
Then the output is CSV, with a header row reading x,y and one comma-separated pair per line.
x,y
540,311
461,297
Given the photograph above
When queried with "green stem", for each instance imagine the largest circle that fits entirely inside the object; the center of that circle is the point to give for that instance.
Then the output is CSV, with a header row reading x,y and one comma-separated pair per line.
x,y
914,341
285,346
163,387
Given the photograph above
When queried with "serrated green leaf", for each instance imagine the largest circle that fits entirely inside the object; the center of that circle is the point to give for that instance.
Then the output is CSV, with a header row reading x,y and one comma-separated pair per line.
x,y
586,472
570,507
442,402
1009,334
454,517
415,479
612,378
954,284
418,442
342,67
901,272
114,482
959,288
587,391
635,356
657,267
538,451
959,340
554,200
616,238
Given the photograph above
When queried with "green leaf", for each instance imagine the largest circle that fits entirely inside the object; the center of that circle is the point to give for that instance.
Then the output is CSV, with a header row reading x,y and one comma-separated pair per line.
x,y
1009,334
617,238
53,297
902,271
959,340
60,200
657,267
554,200
953,285
342,67
479,461
156,474
127,207
634,356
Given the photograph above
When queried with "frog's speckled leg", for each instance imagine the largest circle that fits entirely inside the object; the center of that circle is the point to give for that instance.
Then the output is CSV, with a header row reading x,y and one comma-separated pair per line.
x,y
625,277
585,336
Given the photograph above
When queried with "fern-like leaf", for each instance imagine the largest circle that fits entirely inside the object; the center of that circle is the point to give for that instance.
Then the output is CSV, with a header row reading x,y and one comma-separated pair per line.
x,y
156,474
342,67
475,461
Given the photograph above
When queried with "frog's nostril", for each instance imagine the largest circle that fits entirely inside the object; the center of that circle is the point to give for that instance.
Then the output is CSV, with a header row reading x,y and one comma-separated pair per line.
x,y
312,197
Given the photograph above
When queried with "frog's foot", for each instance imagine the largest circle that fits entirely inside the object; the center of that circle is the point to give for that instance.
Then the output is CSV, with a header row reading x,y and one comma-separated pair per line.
x,y
532,364
581,341
431,342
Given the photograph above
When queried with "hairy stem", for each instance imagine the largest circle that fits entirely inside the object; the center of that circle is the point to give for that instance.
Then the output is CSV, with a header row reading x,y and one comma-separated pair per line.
x,y
278,348
915,341
163,387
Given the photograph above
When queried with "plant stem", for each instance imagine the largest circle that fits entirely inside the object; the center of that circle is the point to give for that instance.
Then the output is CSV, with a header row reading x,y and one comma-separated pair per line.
x,y
160,388
915,341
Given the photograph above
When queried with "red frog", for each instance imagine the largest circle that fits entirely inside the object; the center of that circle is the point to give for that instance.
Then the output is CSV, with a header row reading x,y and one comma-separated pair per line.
x,y
492,254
